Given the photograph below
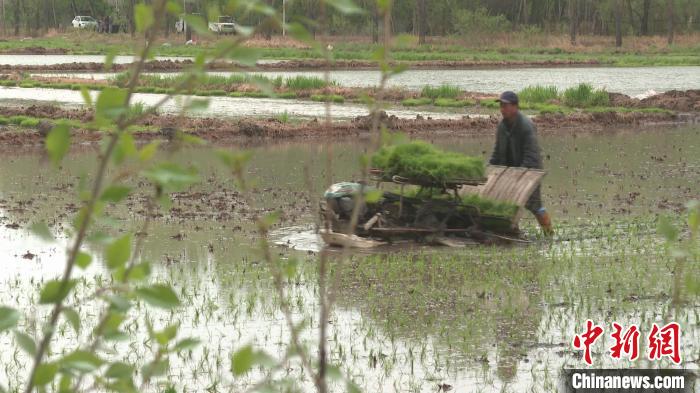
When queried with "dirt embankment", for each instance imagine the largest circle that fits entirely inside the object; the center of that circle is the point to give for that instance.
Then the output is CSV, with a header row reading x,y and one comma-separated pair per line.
x,y
306,64
217,130
675,100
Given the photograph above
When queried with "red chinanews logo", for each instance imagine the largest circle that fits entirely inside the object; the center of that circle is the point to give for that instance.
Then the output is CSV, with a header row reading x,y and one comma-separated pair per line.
x,y
661,342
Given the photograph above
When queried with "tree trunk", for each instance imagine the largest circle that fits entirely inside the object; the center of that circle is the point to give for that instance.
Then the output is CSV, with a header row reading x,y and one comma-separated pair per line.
x,y
422,20
130,17
16,17
573,21
618,23
644,21
375,25
671,23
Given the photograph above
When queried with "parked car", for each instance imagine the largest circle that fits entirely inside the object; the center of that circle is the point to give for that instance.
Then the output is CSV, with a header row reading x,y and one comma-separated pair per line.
x,y
225,25
84,22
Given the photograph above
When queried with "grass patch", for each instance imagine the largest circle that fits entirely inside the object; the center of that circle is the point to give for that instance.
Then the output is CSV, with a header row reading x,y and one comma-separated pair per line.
x,y
17,120
452,103
30,122
584,95
328,98
302,82
538,94
417,101
443,91
4,121
421,160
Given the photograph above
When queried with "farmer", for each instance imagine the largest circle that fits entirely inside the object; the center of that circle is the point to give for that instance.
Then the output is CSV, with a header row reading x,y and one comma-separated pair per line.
x,y
516,145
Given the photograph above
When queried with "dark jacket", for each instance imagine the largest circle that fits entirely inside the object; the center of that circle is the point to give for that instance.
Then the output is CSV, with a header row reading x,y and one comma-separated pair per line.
x,y
522,140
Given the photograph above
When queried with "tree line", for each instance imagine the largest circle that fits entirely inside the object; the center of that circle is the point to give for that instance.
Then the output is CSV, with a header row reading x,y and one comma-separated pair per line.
x,y
420,17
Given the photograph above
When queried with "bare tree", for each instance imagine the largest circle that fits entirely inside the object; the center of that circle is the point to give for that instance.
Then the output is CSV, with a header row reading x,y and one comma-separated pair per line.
x,y
644,21
618,23
422,20
573,21
671,23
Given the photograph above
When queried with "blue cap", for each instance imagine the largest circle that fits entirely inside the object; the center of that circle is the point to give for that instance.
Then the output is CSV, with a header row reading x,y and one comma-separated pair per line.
x,y
508,97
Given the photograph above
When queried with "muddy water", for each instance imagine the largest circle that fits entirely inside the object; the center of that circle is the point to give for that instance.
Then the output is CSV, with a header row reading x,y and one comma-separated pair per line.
x,y
628,80
480,319
219,106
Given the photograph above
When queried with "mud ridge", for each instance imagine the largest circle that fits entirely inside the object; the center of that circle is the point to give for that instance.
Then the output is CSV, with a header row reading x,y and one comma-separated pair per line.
x,y
307,64
218,130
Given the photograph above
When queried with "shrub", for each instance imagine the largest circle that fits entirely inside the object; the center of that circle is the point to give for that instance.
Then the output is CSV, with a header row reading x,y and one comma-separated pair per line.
x,y
479,21
443,91
417,101
538,94
27,84
4,120
584,95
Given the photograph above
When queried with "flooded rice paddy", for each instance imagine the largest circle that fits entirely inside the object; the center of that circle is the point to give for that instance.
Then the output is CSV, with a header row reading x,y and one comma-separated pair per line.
x,y
627,80
229,107
409,318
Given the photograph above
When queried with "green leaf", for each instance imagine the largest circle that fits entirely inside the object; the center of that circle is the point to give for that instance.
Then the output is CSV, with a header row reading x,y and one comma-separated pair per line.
x,y
87,98
143,16
109,60
197,24
118,252
186,344
111,103
245,358
242,361
173,7
147,152
301,33
126,147
119,370
693,216
83,260
8,318
347,7
58,142
81,361
159,295
73,318
45,373
55,291
245,56
138,272
42,231
666,229
115,193
169,175
166,335
119,303
333,373
155,368
25,342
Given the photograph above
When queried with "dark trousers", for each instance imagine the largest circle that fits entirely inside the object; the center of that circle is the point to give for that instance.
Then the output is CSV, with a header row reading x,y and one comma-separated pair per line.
x,y
535,202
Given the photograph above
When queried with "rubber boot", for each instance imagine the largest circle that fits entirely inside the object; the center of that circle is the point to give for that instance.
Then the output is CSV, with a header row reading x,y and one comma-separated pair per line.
x,y
545,223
